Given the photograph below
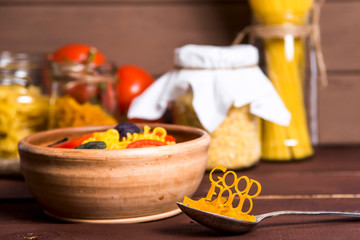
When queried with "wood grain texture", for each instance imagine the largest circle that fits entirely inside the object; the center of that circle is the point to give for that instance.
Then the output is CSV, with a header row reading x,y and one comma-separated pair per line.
x,y
339,23
143,35
22,218
339,112
335,173
146,32
102,2
9,2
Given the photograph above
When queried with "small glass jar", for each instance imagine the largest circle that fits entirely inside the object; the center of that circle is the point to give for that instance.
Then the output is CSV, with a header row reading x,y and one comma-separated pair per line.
x,y
82,95
235,143
23,102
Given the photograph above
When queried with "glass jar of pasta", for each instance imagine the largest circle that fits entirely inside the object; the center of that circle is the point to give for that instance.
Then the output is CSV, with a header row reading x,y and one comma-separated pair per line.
x,y
219,89
289,31
24,103
235,143
82,95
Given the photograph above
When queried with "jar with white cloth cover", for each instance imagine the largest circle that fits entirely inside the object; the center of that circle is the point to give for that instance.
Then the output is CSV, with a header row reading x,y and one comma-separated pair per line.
x,y
222,90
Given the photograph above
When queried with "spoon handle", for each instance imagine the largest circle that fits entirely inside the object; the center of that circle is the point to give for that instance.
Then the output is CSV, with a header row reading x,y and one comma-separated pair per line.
x,y
280,213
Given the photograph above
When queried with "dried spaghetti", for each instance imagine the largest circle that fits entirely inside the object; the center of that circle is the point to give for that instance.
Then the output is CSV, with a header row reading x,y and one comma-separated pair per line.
x,y
285,59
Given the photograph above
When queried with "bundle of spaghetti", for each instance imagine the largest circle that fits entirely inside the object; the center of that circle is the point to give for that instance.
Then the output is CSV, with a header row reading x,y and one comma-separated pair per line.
x,y
285,68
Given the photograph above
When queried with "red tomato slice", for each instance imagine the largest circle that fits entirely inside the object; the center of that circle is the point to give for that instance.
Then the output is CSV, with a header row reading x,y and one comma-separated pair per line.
x,y
145,143
73,143
168,138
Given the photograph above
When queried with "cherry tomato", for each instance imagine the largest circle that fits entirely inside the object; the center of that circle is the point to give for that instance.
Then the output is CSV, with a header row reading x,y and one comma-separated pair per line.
x,y
80,92
145,143
132,82
72,143
79,53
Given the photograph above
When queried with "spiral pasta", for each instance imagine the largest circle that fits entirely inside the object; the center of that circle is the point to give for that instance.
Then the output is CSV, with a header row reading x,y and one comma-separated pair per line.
x,y
217,202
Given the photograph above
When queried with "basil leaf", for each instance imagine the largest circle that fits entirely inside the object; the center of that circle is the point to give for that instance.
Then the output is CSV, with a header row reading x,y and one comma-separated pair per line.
x,y
92,145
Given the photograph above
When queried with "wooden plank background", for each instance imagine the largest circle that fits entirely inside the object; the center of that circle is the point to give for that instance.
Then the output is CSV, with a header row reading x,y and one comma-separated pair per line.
x,y
145,32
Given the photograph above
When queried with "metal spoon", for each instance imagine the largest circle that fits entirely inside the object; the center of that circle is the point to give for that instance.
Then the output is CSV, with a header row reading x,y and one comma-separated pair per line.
x,y
233,225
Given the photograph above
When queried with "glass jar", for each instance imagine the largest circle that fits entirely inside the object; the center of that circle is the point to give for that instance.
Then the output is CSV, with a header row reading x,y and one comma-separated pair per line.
x,y
285,47
23,102
235,143
222,90
82,95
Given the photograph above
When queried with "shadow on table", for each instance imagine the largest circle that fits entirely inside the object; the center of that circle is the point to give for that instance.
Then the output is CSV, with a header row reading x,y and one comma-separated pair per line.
x,y
25,210
193,229
307,221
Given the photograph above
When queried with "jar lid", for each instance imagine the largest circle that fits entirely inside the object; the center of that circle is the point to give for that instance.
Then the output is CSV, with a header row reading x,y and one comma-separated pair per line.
x,y
216,57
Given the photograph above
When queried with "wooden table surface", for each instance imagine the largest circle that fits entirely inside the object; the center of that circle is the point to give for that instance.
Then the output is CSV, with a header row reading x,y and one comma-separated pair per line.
x,y
329,181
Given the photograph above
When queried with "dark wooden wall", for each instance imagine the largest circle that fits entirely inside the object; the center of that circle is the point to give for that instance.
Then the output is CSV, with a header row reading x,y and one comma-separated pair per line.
x,y
145,32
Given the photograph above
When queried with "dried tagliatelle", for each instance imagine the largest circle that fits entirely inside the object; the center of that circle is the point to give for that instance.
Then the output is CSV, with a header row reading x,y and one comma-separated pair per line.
x,y
231,200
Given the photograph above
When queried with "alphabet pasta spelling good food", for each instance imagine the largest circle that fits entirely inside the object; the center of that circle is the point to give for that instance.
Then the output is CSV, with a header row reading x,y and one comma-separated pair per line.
x,y
232,200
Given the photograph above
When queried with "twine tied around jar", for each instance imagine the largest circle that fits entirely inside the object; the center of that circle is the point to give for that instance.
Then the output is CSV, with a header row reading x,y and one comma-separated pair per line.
x,y
312,29
214,68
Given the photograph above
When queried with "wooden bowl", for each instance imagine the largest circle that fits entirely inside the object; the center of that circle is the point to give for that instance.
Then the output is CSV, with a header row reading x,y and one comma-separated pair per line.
x,y
113,186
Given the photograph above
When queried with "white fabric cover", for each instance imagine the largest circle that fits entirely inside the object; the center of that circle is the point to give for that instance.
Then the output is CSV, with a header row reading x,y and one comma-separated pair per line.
x,y
221,77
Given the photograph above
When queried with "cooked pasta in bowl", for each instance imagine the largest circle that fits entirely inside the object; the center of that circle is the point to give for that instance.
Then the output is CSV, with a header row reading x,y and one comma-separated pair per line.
x,y
105,174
